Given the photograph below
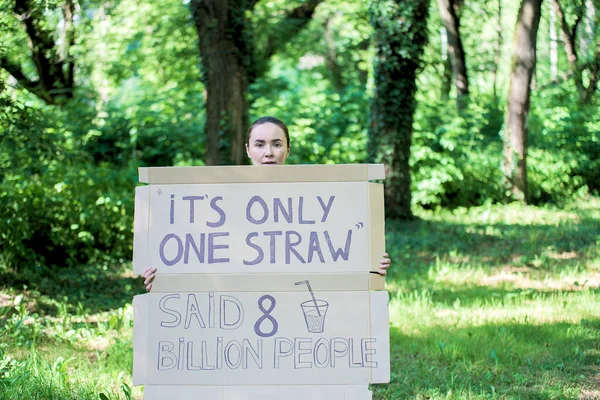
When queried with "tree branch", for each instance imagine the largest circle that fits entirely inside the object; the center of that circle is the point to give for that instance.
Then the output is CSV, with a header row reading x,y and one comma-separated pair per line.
x,y
54,66
33,86
595,73
16,72
579,10
569,36
570,41
39,44
287,28
331,57
68,40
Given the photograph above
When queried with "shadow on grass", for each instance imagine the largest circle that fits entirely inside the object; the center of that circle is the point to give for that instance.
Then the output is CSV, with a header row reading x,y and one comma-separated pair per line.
x,y
474,294
416,246
512,360
83,289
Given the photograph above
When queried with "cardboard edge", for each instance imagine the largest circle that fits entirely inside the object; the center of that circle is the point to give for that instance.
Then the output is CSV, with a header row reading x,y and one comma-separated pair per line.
x,y
376,282
376,224
141,229
375,172
140,339
248,174
380,328
143,175
288,392
358,393
280,282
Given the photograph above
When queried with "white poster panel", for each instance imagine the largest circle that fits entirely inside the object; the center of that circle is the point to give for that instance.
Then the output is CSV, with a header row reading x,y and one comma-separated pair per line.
x,y
259,228
296,392
278,338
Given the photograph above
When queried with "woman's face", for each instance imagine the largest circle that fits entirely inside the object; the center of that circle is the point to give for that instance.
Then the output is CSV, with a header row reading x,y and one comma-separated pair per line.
x,y
267,145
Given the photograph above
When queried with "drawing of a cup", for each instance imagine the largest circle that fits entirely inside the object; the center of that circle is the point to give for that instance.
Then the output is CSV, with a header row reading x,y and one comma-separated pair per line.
x,y
314,314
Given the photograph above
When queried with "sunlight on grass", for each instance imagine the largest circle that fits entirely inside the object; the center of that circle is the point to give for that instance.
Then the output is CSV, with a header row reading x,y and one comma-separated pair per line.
x,y
419,310
68,356
495,302
491,302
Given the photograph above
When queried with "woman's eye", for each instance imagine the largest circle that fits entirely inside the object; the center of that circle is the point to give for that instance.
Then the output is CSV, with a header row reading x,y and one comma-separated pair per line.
x,y
277,145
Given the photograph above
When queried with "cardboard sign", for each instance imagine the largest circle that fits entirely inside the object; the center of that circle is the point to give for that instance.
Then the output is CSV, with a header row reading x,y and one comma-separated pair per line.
x,y
263,284
259,228
273,338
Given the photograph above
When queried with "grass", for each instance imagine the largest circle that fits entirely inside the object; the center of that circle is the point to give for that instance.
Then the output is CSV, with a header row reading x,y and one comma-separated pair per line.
x,y
494,302
67,334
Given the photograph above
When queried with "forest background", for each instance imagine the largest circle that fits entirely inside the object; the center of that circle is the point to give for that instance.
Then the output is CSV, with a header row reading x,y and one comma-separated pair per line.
x,y
474,106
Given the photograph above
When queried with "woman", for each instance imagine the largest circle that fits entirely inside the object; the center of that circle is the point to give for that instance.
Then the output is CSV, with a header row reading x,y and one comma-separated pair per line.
x,y
267,143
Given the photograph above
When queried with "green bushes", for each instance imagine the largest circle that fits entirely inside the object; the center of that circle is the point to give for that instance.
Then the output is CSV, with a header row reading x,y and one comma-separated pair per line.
x,y
564,147
58,207
67,176
67,216
457,160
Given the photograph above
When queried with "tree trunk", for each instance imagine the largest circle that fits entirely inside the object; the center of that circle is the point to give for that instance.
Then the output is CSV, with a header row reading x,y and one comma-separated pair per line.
x,y
591,62
230,65
400,35
446,66
497,51
523,67
331,58
553,46
221,27
569,41
456,50
590,19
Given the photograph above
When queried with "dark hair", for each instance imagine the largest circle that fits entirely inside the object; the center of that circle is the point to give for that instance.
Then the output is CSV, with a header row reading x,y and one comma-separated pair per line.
x,y
272,120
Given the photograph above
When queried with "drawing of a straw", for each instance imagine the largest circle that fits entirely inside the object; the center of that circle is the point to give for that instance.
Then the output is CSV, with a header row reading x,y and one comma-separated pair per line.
x,y
314,311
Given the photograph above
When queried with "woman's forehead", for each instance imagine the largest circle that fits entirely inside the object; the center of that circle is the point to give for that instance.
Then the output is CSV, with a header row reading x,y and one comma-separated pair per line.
x,y
267,132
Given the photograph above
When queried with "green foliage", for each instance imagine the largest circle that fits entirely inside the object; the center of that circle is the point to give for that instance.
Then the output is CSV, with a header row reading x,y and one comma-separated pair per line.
x,y
67,174
564,147
37,379
327,121
149,132
400,36
325,126
57,210
455,158
150,110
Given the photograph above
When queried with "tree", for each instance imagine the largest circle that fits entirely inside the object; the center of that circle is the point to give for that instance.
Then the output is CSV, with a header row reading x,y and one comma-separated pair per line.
x,y
400,35
580,64
497,50
515,127
457,53
231,62
53,81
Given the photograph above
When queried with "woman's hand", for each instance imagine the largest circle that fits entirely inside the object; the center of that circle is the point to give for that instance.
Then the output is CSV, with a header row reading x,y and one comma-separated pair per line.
x,y
148,275
384,264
